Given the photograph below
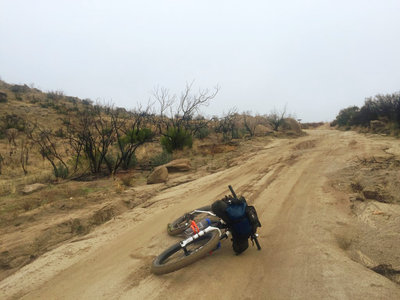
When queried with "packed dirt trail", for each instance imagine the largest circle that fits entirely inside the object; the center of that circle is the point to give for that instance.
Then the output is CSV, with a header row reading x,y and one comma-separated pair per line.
x,y
301,216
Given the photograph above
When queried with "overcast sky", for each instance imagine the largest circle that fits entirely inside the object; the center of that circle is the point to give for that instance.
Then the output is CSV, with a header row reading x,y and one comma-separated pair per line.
x,y
316,56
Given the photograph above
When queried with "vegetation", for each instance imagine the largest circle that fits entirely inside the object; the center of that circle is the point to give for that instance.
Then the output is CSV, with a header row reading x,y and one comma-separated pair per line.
x,y
176,122
202,133
81,138
160,159
49,137
3,97
379,114
176,138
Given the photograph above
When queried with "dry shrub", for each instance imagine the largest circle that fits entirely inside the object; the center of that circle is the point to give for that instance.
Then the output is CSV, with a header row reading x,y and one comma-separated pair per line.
x,y
262,130
356,186
290,124
126,180
213,149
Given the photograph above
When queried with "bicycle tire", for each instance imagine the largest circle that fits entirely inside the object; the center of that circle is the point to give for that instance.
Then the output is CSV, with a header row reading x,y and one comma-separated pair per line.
x,y
181,224
160,264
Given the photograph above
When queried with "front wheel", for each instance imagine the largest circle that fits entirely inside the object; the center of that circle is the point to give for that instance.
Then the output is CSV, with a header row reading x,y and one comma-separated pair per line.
x,y
175,258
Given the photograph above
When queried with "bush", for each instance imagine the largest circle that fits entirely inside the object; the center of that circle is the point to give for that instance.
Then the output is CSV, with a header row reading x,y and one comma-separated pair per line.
x,y
136,136
161,159
347,116
59,133
73,100
46,104
61,109
132,162
61,171
176,138
385,108
87,102
202,133
55,95
20,88
3,97
14,121
33,99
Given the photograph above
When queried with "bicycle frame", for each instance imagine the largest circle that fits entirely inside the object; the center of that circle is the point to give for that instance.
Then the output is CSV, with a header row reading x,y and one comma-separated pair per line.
x,y
197,235
184,243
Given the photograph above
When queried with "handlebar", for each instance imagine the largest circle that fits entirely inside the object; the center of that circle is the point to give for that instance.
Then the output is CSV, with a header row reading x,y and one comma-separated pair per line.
x,y
233,192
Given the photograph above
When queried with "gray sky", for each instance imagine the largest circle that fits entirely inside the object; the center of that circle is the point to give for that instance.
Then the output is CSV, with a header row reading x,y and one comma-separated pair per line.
x,y
316,56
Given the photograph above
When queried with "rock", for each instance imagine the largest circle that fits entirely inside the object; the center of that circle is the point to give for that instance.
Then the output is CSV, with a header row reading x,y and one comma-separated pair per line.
x,y
28,189
178,165
159,175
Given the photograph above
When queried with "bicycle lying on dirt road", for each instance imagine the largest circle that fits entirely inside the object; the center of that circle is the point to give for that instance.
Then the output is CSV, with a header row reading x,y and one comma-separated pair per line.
x,y
202,241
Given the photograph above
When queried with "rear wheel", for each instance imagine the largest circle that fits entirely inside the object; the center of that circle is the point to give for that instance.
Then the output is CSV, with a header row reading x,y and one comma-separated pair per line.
x,y
182,223
175,257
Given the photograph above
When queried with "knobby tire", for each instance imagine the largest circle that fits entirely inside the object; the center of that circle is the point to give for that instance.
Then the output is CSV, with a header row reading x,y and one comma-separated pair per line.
x,y
162,266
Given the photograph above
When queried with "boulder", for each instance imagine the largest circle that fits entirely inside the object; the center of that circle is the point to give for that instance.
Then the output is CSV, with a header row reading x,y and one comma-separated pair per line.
x,y
29,189
178,165
159,175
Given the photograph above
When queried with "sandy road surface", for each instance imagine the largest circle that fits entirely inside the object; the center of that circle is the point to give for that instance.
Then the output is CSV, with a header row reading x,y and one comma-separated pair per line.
x,y
287,181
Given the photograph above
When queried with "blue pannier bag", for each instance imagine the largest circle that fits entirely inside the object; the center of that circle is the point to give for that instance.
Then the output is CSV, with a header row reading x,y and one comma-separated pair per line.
x,y
241,219
240,223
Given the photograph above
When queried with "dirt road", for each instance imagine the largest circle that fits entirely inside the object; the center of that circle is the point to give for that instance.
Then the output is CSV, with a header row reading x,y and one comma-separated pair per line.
x,y
302,217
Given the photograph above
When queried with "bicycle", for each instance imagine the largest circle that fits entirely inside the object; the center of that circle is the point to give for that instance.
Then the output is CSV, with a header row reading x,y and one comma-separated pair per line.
x,y
198,244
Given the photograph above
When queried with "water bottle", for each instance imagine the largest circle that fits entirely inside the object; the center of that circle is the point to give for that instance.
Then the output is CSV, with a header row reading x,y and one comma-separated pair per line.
x,y
196,227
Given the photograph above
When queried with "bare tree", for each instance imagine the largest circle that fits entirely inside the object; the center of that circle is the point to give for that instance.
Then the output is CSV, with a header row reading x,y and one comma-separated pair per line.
x,y
1,162
176,118
228,125
92,134
276,118
24,157
11,135
250,122
166,101
130,134
75,142
107,137
46,141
